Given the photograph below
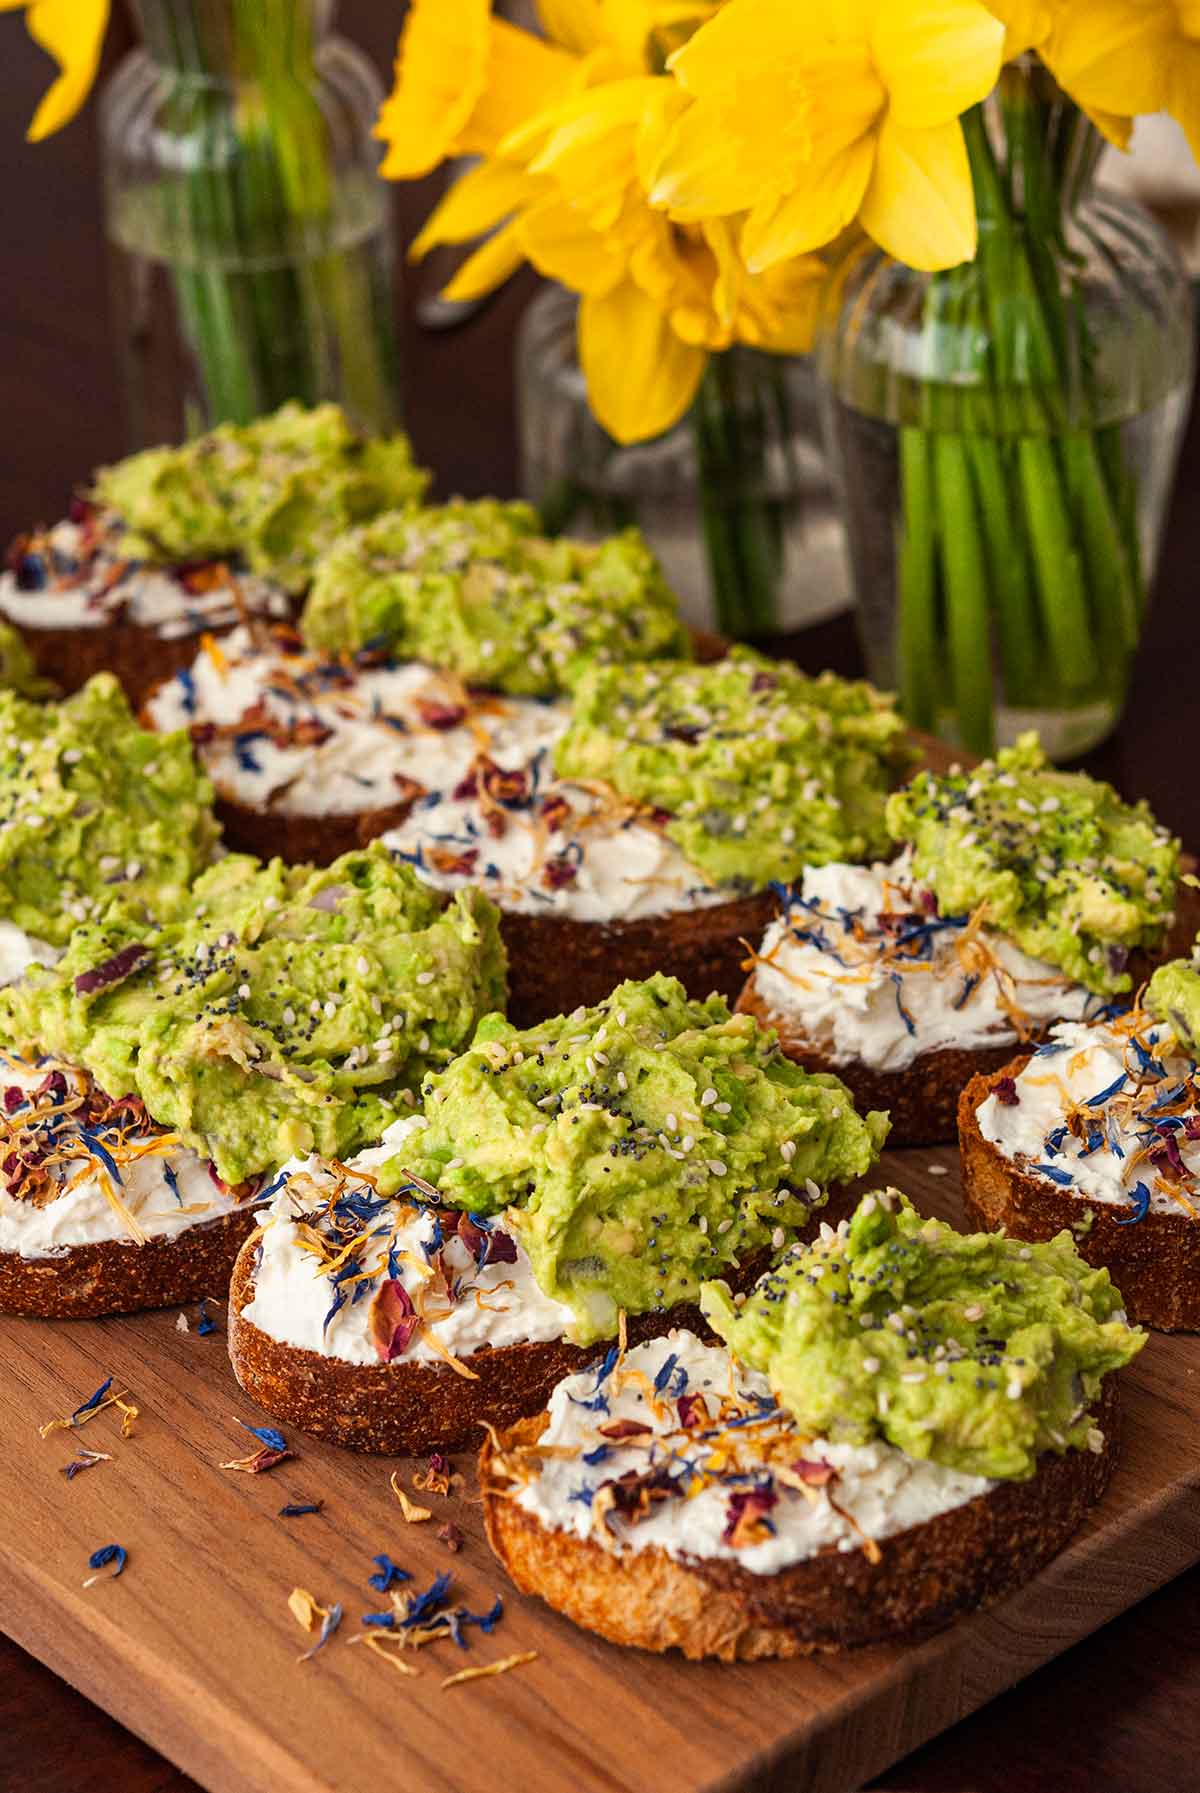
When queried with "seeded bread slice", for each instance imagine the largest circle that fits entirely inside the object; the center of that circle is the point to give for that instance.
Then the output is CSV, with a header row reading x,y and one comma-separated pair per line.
x,y
925,1578
1154,1262
122,1277
412,1406
922,1100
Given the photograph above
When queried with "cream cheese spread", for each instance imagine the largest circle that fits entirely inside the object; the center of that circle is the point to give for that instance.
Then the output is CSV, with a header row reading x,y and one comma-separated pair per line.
x,y
368,1279
862,965
73,576
676,1446
284,730
1109,1113
19,950
76,1169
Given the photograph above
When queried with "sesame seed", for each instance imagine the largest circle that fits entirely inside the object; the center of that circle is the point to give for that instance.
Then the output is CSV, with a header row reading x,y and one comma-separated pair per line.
x,y
721,1108
716,1166
454,1164
778,1237
425,977
289,1017
362,965
787,1150
1014,1390
912,1376
708,1098
871,1366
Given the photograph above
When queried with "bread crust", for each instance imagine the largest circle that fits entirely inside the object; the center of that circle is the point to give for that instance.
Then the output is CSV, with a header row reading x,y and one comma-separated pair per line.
x,y
1154,1262
926,1576
413,1406
118,1276
141,658
922,1099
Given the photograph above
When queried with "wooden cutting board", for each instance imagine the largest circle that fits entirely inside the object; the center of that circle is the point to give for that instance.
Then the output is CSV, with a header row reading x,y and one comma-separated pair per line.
x,y
194,1648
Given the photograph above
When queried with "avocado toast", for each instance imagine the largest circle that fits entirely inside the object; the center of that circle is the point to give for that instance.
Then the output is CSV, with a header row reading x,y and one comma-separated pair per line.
x,y
632,825
557,1184
279,1010
1098,1130
903,1423
1021,896
175,543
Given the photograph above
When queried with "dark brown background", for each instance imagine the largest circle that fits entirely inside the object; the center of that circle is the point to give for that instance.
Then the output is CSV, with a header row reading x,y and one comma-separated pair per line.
x,y
1120,1712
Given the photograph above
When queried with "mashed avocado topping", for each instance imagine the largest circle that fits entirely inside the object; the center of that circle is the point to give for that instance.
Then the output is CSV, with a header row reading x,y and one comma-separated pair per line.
x,y
638,1146
473,587
755,769
93,807
1173,994
1076,876
288,1011
17,670
274,493
973,1350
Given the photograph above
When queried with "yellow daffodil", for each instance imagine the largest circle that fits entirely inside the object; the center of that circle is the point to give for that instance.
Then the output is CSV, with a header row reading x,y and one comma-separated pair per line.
x,y
1131,56
1027,23
72,31
656,298
463,81
806,116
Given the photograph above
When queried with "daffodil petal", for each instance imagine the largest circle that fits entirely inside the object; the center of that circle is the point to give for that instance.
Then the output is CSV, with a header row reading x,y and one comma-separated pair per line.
x,y
700,173
936,58
817,209
490,266
562,245
1183,97
524,77
1116,130
73,32
1114,56
640,377
575,24
441,67
476,202
919,204
1027,24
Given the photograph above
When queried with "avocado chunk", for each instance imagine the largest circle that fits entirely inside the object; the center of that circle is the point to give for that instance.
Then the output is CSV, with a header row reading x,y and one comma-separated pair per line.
x,y
287,1011
973,1350
474,587
1073,874
638,1146
273,494
755,769
93,808
1173,995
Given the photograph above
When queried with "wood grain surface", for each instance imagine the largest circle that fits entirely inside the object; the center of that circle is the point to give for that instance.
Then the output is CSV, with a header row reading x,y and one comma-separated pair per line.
x,y
193,1647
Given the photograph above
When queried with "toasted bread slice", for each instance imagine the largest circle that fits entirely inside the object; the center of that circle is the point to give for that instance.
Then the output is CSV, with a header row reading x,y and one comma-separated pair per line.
x,y
1155,1263
924,1577
921,1100
118,1276
410,1407
555,961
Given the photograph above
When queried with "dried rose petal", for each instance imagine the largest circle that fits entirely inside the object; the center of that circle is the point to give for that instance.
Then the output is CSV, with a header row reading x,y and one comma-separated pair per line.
x,y
394,1321
1006,1092
439,715
693,1411
746,1513
624,1428
122,964
557,873
812,1471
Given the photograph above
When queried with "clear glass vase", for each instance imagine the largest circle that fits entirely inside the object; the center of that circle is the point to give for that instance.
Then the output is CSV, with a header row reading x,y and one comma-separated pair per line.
x,y
1005,436
249,233
736,500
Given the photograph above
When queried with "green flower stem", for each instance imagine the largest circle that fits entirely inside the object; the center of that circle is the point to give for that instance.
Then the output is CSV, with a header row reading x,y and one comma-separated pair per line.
x,y
1008,559
918,657
743,526
966,592
1057,566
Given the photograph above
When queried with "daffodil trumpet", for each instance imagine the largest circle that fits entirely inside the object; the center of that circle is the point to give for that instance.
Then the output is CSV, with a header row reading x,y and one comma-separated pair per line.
x,y
1019,575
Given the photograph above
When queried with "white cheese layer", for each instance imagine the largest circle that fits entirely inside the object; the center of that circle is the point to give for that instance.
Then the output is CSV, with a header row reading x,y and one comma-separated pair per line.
x,y
1105,1160
294,1299
303,736
88,584
19,950
863,968
81,1213
878,1487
